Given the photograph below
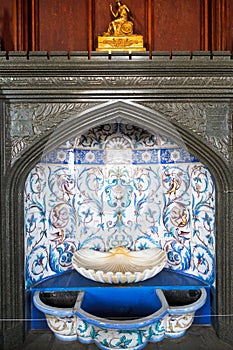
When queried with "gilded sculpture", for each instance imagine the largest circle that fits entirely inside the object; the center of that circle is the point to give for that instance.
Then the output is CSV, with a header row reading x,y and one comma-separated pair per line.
x,y
119,35
121,25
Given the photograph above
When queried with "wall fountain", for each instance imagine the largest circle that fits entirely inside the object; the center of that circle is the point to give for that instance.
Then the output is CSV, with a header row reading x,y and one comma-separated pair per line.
x,y
47,104
118,207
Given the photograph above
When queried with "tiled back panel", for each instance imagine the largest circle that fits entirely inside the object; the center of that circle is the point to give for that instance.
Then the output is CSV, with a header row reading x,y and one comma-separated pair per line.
x,y
119,185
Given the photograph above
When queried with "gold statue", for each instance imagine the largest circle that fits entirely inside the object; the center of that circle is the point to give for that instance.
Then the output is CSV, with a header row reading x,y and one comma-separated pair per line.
x,y
119,35
120,26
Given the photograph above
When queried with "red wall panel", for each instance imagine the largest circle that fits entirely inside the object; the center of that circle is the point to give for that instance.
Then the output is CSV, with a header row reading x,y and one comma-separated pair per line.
x,y
177,25
7,34
229,27
62,25
57,25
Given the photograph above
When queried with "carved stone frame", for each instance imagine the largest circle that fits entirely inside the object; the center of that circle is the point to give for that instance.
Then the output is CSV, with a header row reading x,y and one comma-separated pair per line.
x,y
43,103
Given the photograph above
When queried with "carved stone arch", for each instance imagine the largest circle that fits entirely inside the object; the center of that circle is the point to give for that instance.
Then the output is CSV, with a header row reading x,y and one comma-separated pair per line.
x,y
128,112
147,118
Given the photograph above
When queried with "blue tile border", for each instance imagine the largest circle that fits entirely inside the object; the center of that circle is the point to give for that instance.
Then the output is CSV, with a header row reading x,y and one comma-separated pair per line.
x,y
91,156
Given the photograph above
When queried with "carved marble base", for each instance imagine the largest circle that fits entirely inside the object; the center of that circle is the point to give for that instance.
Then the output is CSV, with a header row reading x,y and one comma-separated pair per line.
x,y
120,43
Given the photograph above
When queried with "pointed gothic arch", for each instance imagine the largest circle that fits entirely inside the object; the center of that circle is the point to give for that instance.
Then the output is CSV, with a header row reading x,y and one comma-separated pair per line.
x,y
127,112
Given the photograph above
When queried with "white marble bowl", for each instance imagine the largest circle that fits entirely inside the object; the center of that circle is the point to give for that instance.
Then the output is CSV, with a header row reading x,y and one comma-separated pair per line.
x,y
119,265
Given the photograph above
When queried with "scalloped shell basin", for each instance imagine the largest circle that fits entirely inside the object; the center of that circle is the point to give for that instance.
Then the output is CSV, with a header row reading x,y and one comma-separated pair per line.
x,y
119,265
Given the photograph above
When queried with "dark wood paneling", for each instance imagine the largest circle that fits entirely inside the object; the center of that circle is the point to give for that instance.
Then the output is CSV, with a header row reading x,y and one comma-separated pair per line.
x,y
222,25
229,28
204,25
57,25
7,33
90,27
14,25
177,25
150,26
62,25
218,26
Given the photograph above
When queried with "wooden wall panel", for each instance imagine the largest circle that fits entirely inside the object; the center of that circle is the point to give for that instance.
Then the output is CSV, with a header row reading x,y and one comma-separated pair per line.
x,y
63,25
218,24
7,32
177,25
102,16
14,16
221,25
166,25
229,28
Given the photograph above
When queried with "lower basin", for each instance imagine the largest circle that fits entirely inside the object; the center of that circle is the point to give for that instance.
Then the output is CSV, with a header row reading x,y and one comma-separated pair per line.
x,y
117,304
62,299
58,308
116,318
181,297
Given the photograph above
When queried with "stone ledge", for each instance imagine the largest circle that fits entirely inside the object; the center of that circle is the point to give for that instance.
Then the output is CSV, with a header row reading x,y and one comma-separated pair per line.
x,y
144,55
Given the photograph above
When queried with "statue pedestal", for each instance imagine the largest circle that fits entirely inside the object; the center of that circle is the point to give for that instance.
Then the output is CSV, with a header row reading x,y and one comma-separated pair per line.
x,y
120,43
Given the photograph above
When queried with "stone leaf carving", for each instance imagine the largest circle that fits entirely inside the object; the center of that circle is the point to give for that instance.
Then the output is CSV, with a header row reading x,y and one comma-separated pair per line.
x,y
211,121
28,121
120,81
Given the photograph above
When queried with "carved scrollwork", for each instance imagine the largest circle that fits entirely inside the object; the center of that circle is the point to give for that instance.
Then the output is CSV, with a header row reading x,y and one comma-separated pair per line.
x,y
120,81
211,121
28,121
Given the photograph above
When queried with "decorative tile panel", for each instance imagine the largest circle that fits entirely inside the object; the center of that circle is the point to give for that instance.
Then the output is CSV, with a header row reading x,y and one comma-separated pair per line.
x,y
119,185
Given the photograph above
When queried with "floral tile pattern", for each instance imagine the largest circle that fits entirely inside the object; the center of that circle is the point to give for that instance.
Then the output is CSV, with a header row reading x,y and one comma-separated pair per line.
x,y
119,185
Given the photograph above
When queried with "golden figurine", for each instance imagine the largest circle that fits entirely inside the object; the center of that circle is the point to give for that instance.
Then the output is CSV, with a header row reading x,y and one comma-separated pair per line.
x,y
119,35
120,26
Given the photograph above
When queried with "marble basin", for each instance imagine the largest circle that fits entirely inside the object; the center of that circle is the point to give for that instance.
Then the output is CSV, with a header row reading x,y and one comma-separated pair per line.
x,y
119,265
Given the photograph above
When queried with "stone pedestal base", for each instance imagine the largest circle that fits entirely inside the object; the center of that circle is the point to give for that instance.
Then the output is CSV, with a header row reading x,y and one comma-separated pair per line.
x,y
120,43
